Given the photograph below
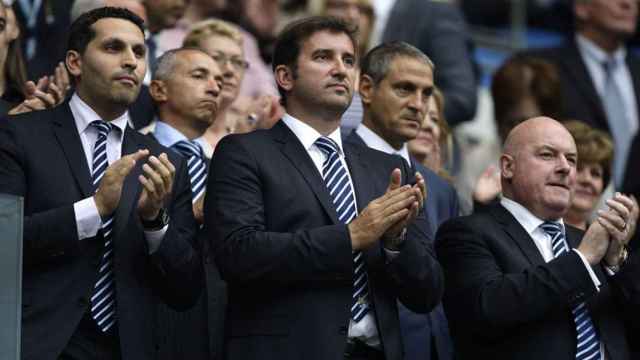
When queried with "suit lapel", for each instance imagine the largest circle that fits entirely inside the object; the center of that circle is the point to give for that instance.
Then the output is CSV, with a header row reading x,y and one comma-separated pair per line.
x,y
518,234
297,154
576,68
67,134
131,187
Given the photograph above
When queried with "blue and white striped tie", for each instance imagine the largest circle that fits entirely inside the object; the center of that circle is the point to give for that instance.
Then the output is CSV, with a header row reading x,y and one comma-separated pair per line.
x,y
103,301
197,168
336,178
588,342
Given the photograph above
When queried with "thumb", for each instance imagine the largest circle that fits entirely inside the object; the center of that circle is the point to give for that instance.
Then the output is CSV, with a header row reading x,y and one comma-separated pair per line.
x,y
395,180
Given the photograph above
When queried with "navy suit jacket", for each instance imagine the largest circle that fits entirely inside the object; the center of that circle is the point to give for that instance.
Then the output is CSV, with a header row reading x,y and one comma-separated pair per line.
x,y
288,260
427,334
42,160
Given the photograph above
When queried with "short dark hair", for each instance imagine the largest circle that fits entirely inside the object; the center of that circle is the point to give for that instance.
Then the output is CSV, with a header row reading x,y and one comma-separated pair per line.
x,y
289,42
82,31
376,62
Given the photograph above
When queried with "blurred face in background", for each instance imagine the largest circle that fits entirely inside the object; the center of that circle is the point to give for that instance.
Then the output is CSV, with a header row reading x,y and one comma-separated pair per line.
x,y
608,16
164,14
589,187
230,58
357,13
429,136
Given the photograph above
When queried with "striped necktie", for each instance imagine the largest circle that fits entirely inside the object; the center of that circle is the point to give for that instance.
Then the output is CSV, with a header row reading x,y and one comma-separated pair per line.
x,y
103,301
336,178
196,166
588,342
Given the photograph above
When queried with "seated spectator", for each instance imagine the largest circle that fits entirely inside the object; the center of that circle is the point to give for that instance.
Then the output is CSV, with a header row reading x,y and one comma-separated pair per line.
x,y
430,147
14,74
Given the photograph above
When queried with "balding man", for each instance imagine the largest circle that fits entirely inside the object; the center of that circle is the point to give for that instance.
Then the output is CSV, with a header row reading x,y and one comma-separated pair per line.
x,y
521,283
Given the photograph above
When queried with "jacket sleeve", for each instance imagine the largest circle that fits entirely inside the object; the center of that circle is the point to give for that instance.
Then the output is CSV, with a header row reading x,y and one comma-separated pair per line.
x,y
46,234
243,248
492,303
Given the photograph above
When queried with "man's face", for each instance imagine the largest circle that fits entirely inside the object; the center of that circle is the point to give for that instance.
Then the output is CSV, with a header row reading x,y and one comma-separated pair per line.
x,y
230,58
541,173
325,72
398,104
609,16
111,69
164,14
193,89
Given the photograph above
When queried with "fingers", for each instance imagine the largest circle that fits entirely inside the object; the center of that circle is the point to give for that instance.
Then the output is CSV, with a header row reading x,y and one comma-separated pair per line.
x,y
56,93
422,186
29,89
47,99
125,164
613,218
611,228
395,180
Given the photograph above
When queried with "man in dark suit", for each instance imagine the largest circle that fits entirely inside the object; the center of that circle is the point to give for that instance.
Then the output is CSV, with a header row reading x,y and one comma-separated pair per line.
x,y
600,76
186,89
438,29
108,226
396,82
521,283
314,242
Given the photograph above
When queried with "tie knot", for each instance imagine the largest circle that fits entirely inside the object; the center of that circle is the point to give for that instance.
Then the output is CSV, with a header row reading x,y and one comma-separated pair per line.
x,y
103,127
187,148
552,228
609,65
327,145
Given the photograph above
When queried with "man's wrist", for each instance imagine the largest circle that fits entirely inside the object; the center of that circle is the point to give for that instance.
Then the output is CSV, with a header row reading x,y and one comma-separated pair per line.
x,y
395,242
614,266
160,221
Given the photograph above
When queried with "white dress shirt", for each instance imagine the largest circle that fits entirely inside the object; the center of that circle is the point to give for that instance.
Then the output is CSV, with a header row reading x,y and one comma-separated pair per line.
x,y
88,221
374,141
531,224
364,330
593,58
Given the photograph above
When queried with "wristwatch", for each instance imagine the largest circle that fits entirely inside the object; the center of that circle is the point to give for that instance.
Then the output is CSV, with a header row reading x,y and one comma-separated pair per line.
x,y
158,223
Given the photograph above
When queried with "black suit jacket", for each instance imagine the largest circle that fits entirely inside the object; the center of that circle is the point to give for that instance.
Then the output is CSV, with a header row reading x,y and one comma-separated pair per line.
x,y
580,98
198,332
288,261
631,183
503,301
41,159
427,334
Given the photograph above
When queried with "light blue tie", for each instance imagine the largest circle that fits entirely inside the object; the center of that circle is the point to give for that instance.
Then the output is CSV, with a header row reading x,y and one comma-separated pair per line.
x,y
619,123
588,342
336,178
103,301
196,166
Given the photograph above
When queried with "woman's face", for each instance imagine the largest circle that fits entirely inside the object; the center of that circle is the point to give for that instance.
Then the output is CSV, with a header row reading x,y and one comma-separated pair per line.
x,y
589,187
429,134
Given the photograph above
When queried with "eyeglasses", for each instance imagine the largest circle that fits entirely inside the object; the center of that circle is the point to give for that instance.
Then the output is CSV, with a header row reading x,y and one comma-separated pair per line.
x,y
237,63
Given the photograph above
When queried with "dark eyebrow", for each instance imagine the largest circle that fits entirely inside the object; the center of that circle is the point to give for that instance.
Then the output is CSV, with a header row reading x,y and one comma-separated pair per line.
x,y
321,51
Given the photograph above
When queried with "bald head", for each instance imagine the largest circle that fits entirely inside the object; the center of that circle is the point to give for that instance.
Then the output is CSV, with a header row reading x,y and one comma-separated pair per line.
x,y
538,167
531,129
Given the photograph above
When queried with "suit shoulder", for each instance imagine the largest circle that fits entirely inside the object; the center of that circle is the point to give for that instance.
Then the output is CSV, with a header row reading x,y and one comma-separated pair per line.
x,y
31,121
475,222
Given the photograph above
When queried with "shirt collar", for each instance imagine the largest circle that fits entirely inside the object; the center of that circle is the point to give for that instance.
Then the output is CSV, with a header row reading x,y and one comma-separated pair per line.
x,y
589,49
308,135
374,141
84,115
528,221
166,134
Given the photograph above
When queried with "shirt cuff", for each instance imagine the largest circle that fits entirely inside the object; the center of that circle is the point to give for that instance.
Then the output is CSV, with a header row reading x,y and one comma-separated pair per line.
x,y
154,238
88,221
594,278
391,254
